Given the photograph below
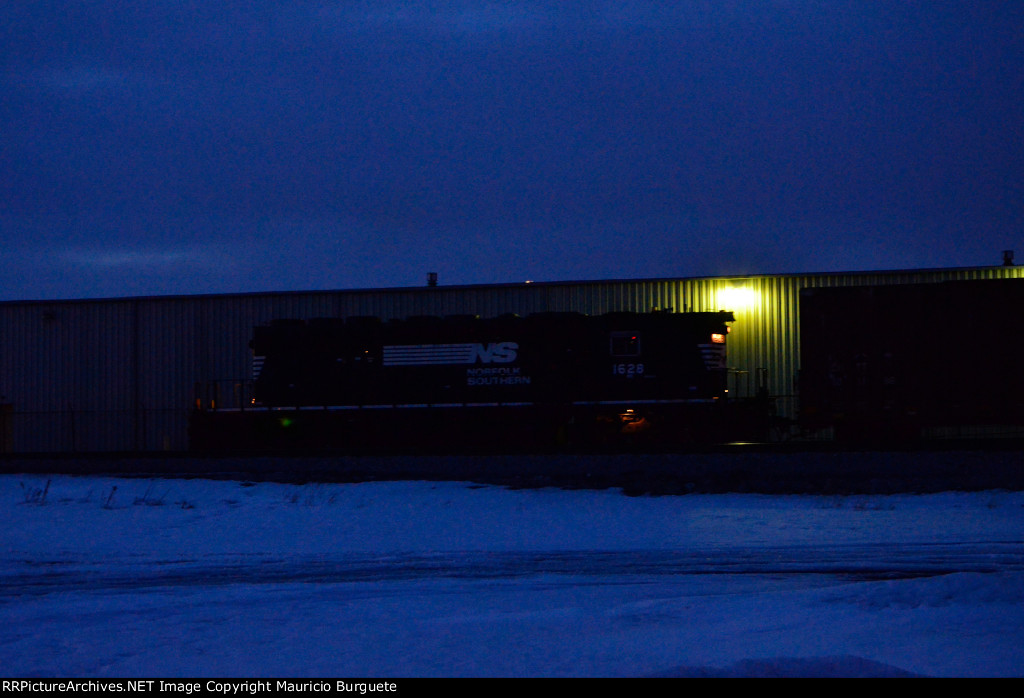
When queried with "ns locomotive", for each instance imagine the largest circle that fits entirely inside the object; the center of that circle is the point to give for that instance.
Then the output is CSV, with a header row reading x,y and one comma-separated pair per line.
x,y
547,381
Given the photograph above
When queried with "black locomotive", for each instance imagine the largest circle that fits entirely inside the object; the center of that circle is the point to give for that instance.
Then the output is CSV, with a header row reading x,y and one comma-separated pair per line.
x,y
464,384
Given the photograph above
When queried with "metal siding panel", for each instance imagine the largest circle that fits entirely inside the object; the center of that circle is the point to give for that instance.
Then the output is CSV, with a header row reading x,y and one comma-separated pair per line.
x,y
66,369
167,369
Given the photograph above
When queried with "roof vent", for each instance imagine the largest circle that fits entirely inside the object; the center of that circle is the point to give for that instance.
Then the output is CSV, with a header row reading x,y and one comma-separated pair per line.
x,y
431,278
1007,258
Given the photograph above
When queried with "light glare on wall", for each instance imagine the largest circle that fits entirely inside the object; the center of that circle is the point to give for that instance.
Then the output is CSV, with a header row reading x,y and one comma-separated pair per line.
x,y
737,298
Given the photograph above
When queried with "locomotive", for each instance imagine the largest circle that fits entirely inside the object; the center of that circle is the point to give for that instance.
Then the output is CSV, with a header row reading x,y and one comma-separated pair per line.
x,y
462,384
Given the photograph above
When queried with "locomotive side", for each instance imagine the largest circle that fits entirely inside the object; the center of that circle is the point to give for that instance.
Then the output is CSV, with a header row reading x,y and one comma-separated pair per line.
x,y
465,384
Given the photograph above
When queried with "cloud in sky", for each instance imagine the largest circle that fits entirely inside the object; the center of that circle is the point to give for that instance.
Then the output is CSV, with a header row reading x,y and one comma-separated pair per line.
x,y
136,260
82,80
498,141
450,20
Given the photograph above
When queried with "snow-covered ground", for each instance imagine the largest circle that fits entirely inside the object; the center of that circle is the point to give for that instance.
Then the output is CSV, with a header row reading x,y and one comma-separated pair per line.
x,y
121,577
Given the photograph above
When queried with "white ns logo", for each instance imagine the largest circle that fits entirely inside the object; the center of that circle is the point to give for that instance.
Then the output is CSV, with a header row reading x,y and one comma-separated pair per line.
x,y
495,353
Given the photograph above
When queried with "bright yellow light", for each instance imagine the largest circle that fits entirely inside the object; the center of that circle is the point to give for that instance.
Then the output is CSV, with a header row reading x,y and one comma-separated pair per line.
x,y
737,297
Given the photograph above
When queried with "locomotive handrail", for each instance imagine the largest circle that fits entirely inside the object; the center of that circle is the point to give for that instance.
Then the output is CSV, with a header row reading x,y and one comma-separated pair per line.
x,y
432,405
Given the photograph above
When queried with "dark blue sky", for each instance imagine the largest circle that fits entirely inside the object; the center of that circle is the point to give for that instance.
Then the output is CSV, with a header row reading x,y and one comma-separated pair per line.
x,y
174,146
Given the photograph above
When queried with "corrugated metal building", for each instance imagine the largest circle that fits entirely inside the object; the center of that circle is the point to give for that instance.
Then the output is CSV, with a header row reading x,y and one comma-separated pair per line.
x,y
123,374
